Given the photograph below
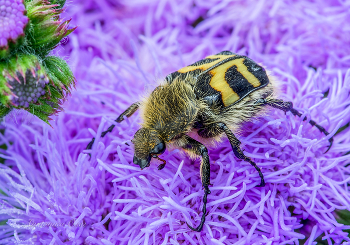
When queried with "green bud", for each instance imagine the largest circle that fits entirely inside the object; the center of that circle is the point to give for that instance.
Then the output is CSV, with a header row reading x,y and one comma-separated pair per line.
x,y
30,79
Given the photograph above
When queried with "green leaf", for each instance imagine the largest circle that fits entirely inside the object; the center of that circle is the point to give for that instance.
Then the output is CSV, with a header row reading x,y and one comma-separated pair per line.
x,y
3,89
4,111
3,222
56,94
2,160
43,107
59,71
343,216
43,116
4,53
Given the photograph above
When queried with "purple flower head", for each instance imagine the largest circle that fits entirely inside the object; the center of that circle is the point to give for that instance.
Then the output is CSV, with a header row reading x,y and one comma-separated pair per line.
x,y
54,193
28,89
12,20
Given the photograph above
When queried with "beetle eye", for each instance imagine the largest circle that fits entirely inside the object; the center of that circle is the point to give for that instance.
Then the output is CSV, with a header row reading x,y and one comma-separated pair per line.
x,y
158,149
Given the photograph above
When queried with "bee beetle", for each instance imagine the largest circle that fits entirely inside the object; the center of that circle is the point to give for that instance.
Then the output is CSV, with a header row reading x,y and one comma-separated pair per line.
x,y
211,97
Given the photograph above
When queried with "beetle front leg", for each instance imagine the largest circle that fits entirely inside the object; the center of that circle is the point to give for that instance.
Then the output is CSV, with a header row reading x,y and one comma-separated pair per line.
x,y
128,112
195,147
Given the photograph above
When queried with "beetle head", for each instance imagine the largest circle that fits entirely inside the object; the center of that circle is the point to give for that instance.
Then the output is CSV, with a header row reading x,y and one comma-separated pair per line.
x,y
147,144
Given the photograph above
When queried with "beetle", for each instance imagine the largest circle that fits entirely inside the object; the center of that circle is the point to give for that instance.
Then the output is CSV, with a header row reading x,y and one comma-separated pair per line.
x,y
211,97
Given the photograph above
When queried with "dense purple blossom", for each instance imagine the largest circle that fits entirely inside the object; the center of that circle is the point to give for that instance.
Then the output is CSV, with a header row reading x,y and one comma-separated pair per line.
x,y
28,88
54,193
12,20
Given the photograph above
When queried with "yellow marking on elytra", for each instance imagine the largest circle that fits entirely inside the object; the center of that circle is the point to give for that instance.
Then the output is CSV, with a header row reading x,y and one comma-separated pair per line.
x,y
221,57
207,65
242,68
219,83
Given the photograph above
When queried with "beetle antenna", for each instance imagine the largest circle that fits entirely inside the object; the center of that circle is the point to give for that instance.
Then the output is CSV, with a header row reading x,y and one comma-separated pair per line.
x,y
128,112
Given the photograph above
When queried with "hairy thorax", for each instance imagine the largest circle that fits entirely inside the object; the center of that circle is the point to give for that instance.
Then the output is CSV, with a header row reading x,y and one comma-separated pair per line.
x,y
170,109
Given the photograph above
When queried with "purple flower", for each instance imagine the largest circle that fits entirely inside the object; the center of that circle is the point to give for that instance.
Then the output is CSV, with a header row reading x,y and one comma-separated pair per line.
x,y
52,192
12,20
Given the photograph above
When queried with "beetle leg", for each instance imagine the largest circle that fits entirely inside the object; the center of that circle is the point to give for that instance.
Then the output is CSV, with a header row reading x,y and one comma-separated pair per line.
x,y
288,106
235,144
195,147
128,112
215,129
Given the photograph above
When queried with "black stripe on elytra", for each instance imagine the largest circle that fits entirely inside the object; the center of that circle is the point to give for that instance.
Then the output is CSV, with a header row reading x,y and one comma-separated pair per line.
x,y
258,71
206,92
239,84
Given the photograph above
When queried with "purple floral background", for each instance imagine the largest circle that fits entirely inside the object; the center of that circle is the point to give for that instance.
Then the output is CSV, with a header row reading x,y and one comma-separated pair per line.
x,y
53,193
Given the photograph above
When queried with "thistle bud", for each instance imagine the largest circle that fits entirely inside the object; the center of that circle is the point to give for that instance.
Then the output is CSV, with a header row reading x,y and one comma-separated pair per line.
x,y
29,78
